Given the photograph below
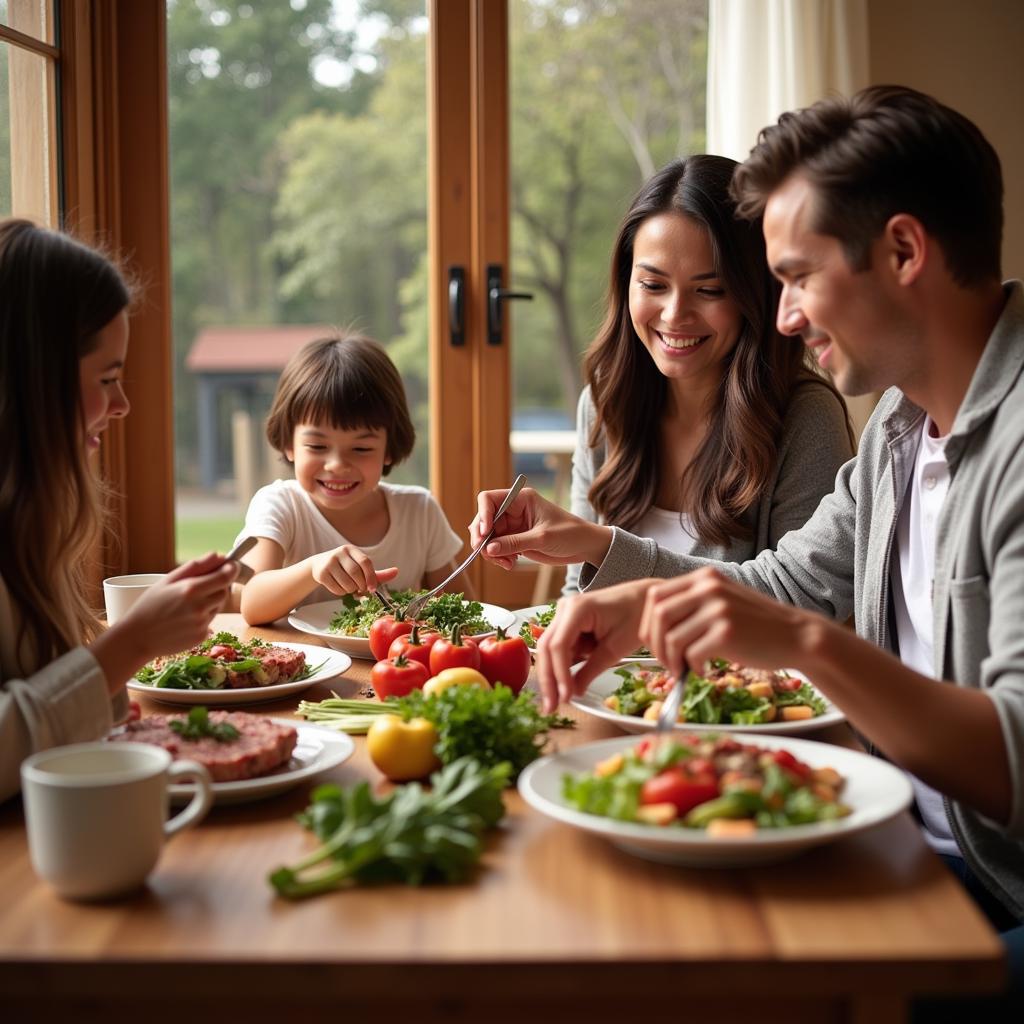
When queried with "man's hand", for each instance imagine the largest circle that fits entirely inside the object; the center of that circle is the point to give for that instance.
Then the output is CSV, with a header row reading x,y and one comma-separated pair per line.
x,y
690,619
597,629
537,528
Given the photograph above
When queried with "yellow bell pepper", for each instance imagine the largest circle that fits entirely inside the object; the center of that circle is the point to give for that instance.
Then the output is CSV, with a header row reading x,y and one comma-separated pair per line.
x,y
454,677
403,750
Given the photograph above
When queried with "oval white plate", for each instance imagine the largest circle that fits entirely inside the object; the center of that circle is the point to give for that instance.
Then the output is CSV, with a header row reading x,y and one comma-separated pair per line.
x,y
592,702
315,618
523,614
334,664
875,791
316,751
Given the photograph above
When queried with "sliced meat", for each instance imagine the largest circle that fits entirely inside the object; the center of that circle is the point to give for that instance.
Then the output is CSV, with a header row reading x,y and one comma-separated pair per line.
x,y
262,745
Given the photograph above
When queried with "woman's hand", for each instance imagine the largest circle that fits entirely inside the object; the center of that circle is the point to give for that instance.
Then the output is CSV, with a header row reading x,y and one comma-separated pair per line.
x,y
597,628
172,616
537,528
348,570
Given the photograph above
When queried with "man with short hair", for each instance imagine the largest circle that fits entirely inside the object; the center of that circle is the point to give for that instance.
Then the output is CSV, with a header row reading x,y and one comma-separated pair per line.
x,y
883,221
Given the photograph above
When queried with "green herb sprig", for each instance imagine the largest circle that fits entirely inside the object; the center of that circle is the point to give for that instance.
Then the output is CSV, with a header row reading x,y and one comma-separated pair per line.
x,y
198,726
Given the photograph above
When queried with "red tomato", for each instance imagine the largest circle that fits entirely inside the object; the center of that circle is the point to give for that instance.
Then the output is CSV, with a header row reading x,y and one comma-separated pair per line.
x,y
224,652
383,632
397,676
784,759
674,786
537,631
787,685
415,645
454,653
505,659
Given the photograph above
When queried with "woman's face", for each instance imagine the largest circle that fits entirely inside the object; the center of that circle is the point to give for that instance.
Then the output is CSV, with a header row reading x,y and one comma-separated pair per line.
x,y
678,304
100,380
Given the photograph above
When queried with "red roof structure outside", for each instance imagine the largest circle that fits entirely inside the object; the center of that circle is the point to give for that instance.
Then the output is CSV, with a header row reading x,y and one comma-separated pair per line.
x,y
256,349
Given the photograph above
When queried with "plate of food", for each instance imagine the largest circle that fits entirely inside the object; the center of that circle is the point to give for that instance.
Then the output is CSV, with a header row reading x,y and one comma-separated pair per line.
x,y
725,697
714,799
249,757
345,623
531,622
225,670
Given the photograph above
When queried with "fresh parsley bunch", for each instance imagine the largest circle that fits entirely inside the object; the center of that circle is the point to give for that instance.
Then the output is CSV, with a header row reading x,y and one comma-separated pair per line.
x,y
411,835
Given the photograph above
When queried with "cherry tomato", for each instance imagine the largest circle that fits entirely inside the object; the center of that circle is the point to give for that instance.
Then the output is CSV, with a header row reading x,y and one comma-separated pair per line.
x,y
383,632
415,645
674,786
787,685
454,653
784,759
505,659
397,676
224,652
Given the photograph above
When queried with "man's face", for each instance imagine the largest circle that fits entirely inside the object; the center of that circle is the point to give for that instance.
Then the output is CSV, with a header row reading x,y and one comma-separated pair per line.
x,y
849,319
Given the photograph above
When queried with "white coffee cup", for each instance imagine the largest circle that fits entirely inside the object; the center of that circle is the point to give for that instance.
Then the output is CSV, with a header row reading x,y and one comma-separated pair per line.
x,y
121,592
97,814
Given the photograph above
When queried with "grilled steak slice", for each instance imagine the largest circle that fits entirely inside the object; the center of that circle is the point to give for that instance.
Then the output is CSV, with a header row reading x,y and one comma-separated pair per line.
x,y
262,745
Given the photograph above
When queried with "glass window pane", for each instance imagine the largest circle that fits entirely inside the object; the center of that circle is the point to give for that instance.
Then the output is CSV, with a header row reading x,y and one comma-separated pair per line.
x,y
32,17
28,160
298,207
602,94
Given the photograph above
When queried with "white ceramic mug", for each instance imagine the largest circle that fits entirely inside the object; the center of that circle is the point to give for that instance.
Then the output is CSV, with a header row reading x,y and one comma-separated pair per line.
x,y
121,592
97,814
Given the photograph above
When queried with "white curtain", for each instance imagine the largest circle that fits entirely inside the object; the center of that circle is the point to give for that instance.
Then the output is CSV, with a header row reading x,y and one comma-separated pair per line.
x,y
769,56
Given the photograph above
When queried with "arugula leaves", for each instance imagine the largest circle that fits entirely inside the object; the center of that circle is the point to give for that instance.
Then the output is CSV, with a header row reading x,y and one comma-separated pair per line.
x,y
442,612
198,726
410,835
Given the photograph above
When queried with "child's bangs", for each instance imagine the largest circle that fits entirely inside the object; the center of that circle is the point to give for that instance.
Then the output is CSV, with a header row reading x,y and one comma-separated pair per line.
x,y
338,400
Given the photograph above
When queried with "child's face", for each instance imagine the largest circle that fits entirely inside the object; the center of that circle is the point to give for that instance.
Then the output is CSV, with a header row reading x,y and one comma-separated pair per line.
x,y
338,468
100,380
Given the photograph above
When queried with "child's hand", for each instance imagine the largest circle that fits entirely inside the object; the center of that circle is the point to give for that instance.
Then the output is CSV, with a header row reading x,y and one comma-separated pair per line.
x,y
175,614
348,570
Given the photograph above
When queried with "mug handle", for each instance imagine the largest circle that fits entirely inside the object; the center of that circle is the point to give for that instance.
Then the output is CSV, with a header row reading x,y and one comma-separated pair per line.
x,y
199,804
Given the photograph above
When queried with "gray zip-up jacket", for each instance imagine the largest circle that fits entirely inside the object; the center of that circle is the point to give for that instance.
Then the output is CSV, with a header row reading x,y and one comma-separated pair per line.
x,y
839,564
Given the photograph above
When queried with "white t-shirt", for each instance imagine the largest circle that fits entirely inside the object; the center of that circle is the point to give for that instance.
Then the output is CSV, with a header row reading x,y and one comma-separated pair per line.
x,y
913,571
670,530
418,539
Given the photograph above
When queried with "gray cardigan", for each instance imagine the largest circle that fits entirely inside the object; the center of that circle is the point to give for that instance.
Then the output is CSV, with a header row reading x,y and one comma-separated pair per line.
x,y
839,563
813,444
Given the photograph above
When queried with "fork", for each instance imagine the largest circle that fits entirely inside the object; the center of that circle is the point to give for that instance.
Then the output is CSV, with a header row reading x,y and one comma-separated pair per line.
x,y
385,598
668,713
415,606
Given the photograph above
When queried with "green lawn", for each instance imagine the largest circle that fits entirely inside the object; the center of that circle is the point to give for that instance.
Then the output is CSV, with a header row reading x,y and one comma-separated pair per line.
x,y
197,536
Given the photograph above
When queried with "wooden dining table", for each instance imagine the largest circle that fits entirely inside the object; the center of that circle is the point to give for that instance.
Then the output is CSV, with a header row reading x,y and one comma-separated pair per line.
x,y
557,925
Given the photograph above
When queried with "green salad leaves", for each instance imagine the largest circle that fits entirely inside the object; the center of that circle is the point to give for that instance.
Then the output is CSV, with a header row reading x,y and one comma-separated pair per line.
x,y
443,612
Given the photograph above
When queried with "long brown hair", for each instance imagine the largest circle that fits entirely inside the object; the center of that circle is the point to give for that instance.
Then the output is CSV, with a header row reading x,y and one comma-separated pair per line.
x,y
57,295
738,454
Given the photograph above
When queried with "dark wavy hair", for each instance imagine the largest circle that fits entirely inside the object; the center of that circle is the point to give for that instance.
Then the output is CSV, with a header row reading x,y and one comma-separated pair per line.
x,y
347,381
737,458
57,294
887,150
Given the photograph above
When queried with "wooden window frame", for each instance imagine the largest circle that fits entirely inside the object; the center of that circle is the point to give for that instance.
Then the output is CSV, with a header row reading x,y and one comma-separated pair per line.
x,y
113,61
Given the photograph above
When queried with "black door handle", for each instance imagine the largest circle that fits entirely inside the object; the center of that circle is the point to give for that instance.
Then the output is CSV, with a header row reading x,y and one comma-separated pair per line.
x,y
456,306
496,294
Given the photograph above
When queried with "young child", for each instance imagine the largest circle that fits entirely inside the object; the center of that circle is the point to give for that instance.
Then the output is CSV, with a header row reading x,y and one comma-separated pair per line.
x,y
340,418
62,675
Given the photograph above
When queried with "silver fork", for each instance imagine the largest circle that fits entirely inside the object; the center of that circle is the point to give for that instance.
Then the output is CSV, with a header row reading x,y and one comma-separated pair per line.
x,y
385,598
415,606
668,713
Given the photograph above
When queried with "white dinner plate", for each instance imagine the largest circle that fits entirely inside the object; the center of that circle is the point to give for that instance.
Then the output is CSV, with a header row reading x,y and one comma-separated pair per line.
x,y
523,614
315,618
875,791
592,702
316,751
331,665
